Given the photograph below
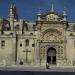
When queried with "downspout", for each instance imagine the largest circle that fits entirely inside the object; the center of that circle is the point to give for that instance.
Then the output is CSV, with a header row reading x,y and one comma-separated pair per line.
x,y
16,48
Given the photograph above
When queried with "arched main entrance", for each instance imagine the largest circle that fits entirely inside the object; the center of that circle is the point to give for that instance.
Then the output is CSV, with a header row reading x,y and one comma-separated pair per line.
x,y
51,55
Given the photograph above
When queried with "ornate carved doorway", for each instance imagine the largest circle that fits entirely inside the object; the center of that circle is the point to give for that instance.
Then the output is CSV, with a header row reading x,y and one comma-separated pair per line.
x,y
51,56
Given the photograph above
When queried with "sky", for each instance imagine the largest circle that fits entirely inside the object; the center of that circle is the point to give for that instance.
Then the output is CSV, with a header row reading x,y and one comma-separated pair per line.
x,y
27,9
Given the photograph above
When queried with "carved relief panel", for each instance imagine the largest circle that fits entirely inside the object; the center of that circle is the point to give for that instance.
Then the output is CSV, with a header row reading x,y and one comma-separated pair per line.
x,y
51,35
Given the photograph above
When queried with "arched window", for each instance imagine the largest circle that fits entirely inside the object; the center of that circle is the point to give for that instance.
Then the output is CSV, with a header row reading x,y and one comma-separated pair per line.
x,y
27,42
7,27
17,27
31,33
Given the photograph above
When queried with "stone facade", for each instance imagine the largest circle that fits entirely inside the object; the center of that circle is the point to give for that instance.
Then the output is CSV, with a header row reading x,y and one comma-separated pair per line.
x,y
49,40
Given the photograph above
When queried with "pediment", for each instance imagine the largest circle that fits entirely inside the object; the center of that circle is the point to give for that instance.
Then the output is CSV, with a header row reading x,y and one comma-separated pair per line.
x,y
52,17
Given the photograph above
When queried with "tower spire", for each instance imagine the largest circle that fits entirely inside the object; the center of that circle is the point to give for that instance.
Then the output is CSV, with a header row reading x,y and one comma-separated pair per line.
x,y
39,14
52,7
13,11
11,17
64,14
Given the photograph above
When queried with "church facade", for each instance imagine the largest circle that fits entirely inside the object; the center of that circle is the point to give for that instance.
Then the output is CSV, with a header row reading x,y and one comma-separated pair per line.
x,y
48,40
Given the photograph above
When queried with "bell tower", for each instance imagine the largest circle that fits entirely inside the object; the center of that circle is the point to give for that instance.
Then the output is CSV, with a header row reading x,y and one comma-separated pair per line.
x,y
13,15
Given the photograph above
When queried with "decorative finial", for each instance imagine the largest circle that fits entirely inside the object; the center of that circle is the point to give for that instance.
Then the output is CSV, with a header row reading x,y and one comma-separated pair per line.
x,y
11,6
39,15
39,11
52,8
64,12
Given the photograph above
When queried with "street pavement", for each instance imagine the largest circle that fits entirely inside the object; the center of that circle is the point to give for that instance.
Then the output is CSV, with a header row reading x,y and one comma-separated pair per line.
x,y
43,69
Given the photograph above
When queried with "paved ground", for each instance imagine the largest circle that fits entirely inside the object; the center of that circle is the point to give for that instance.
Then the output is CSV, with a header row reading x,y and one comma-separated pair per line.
x,y
29,70
43,69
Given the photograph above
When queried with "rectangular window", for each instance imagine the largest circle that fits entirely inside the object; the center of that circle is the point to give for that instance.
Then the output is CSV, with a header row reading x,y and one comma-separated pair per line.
x,y
27,42
33,45
2,43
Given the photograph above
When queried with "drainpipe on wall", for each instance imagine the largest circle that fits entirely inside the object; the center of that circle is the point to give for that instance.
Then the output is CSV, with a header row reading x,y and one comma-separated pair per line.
x,y
16,48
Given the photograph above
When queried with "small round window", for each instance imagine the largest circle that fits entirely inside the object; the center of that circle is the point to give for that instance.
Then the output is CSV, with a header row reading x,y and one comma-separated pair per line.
x,y
71,34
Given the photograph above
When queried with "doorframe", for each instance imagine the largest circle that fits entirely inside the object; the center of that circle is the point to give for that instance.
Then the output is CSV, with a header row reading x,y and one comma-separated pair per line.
x,y
47,55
